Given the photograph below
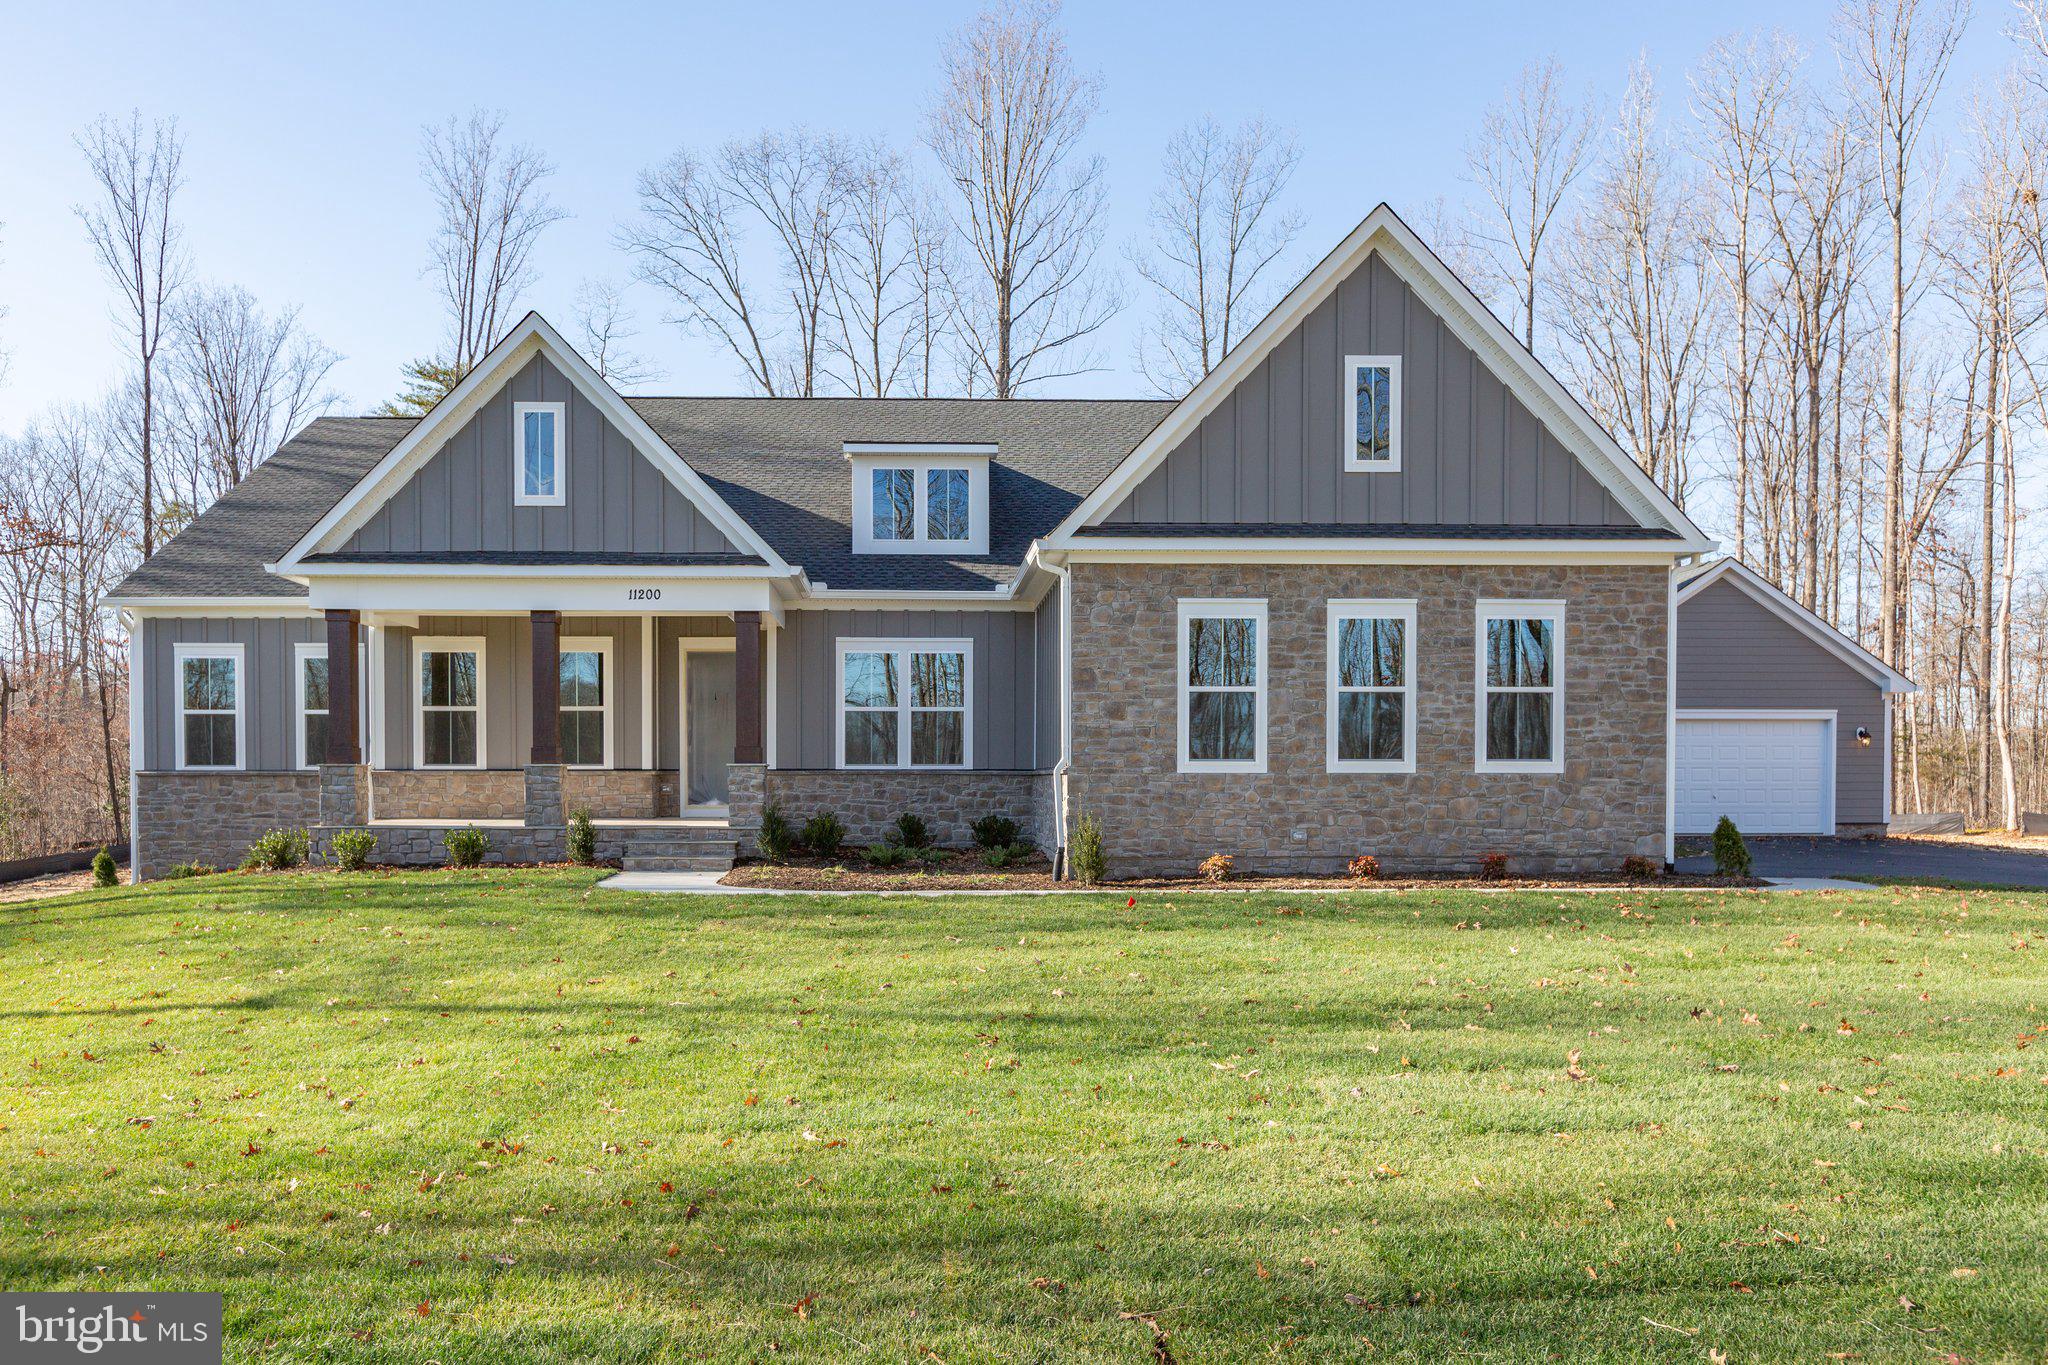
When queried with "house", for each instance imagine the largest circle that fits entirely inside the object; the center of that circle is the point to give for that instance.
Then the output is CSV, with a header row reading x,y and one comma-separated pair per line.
x,y
1378,584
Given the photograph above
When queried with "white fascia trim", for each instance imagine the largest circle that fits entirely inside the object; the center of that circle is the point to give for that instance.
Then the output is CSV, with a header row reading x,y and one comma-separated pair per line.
x,y
1787,609
1221,608
339,568
1352,365
1518,609
193,649
1358,550
443,644
970,449
600,645
1468,318
852,599
903,648
560,497
146,607
532,336
1370,609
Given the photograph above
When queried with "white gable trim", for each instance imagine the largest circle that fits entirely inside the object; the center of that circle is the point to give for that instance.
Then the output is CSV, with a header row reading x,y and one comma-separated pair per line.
x,y
1473,324
533,336
1766,594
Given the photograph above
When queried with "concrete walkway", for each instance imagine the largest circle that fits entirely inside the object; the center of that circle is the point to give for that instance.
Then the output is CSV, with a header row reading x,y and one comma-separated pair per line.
x,y
706,884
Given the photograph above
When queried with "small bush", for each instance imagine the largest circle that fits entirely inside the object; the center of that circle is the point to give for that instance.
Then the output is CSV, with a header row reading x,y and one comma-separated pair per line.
x,y
1005,854
1217,867
352,849
1731,853
278,851
582,839
1494,866
911,831
1637,868
994,831
929,856
1084,851
777,836
104,873
824,833
886,855
1363,868
179,871
466,847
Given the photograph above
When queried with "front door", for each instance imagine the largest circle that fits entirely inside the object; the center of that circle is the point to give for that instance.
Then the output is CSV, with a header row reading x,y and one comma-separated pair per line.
x,y
707,693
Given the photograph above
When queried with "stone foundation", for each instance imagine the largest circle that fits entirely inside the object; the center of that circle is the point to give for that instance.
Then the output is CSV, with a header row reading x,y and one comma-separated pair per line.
x,y
615,793
544,796
213,817
870,801
449,794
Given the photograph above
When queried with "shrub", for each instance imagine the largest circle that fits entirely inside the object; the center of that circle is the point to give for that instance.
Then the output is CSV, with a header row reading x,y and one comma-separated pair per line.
x,y
994,831
1494,866
777,836
1731,854
1002,855
1363,868
928,855
466,847
278,851
582,839
887,855
352,848
1638,867
104,873
1084,850
911,831
179,871
1217,867
824,833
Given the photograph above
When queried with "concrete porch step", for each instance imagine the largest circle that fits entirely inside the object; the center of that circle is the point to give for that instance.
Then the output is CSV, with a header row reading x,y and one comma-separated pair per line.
x,y
677,862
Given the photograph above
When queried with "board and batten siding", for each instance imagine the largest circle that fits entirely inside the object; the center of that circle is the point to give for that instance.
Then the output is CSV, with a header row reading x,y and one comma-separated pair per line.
x,y
1008,681
1734,654
614,499
1272,449
270,710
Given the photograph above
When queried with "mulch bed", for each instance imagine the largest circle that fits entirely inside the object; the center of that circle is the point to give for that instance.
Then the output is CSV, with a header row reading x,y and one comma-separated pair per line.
x,y
966,872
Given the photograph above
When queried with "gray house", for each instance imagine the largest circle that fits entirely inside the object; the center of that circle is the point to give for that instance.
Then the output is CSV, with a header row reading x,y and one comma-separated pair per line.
x,y
1378,584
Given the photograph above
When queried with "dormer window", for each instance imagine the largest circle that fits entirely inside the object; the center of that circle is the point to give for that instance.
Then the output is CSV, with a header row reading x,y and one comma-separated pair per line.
x,y
538,444
1372,413
920,499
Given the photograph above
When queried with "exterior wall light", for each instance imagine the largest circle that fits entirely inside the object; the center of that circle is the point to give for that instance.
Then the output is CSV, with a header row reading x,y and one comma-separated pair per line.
x,y
1863,736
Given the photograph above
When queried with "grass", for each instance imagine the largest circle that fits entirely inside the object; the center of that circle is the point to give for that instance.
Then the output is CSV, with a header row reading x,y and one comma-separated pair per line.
x,y
502,1116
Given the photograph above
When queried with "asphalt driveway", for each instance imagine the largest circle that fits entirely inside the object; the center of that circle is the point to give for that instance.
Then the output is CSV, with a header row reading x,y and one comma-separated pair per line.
x,y
1796,857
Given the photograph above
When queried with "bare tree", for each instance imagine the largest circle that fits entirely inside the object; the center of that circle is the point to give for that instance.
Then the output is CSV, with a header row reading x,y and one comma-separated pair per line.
x,y
240,383
1007,127
492,213
885,318
604,325
1217,229
138,173
1530,148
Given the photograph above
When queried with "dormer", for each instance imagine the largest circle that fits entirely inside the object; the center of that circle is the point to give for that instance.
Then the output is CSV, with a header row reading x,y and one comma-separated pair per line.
x,y
919,498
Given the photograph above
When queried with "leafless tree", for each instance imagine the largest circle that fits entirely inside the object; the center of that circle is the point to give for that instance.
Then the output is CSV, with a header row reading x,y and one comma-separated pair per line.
x,y
240,384
1217,230
881,304
492,213
137,173
604,326
1530,148
1007,127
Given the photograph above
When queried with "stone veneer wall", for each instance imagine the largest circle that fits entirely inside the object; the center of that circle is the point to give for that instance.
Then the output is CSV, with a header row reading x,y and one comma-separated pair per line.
x,y
613,794
869,801
449,794
1608,802
214,817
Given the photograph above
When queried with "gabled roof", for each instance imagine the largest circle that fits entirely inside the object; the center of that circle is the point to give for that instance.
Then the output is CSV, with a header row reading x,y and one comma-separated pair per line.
x,y
1383,232
1766,594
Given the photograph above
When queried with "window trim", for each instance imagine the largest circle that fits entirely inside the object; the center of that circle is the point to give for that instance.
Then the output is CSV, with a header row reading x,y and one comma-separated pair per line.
x,y
302,651
1517,609
444,644
1341,609
600,645
921,466
1352,365
903,647
195,649
1220,608
520,497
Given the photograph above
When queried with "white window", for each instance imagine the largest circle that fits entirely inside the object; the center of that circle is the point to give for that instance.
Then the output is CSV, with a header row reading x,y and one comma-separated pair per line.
x,y
1222,666
1371,687
904,703
540,441
1372,413
448,713
1520,686
920,499
210,705
946,505
585,726
310,698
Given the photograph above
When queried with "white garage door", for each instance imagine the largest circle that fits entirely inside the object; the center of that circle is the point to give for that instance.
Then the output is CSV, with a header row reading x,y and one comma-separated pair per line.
x,y
1770,775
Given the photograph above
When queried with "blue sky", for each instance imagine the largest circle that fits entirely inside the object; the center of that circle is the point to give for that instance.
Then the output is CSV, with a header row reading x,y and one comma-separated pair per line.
x,y
302,132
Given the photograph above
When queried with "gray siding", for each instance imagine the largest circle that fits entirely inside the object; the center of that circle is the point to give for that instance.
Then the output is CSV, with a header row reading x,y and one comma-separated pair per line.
x,y
615,500
1008,672
1471,453
269,708
1735,654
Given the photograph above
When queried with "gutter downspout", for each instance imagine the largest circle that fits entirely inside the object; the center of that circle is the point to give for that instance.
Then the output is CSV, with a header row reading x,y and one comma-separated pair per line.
x,y
133,626
1066,759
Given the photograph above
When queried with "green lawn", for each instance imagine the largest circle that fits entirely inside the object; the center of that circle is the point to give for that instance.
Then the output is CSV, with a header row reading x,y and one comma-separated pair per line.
x,y
489,1117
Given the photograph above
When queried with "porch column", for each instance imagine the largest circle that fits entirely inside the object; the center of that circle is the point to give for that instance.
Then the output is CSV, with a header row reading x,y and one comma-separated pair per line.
x,y
544,768
344,782
746,686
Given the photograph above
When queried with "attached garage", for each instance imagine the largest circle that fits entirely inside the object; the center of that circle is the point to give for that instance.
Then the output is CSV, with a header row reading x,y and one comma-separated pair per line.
x,y
1784,723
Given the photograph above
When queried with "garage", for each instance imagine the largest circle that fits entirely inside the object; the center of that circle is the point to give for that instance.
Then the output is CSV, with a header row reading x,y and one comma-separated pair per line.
x,y
1772,773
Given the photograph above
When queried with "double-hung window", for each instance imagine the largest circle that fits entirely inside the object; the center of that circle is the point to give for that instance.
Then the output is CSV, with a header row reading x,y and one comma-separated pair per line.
x,y
585,725
1372,413
1371,687
448,715
1222,666
905,703
310,698
1520,686
211,701
539,449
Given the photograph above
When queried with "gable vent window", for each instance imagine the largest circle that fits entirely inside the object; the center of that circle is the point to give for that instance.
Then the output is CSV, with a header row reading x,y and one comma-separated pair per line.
x,y
538,445
1372,413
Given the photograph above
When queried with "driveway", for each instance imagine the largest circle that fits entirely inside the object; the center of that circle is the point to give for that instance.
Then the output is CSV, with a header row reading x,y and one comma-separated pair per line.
x,y
1796,857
